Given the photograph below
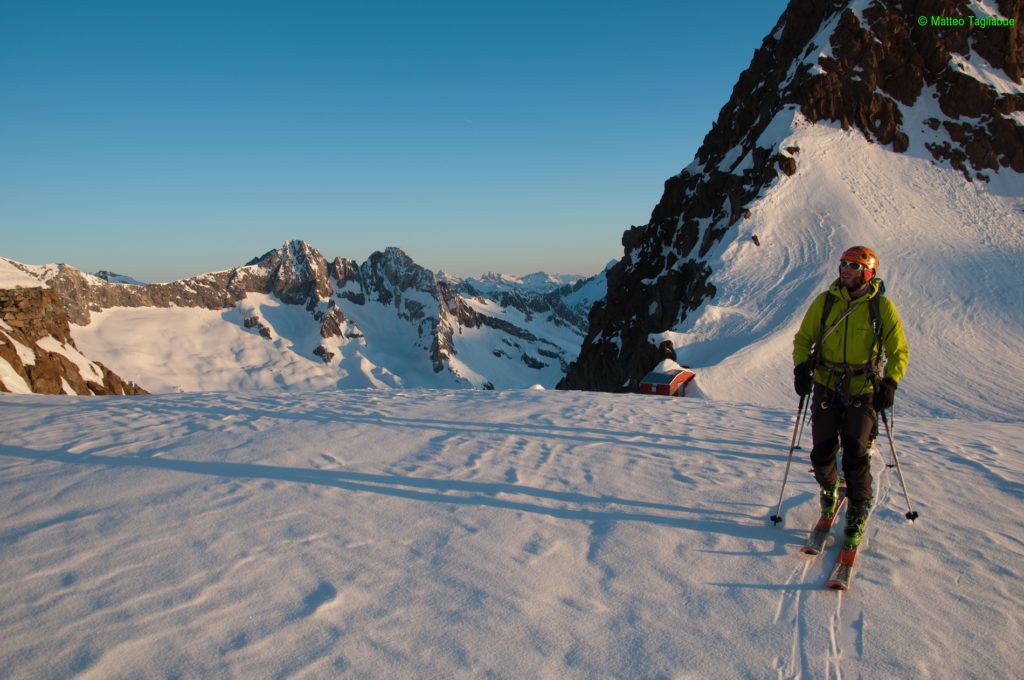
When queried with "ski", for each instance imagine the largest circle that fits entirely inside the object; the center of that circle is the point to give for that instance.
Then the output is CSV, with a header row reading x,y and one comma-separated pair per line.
x,y
842,572
816,542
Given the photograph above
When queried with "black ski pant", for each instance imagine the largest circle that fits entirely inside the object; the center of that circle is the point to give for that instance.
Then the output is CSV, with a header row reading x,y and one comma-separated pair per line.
x,y
834,424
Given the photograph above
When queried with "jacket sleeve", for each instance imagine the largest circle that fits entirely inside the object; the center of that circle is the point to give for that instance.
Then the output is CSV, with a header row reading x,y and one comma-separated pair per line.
x,y
807,334
894,342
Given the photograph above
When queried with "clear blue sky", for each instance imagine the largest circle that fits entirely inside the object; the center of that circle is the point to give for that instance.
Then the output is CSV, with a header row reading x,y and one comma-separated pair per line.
x,y
164,139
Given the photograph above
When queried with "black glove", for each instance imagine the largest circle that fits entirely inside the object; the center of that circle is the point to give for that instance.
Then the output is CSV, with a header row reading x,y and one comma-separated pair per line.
x,y
884,394
803,379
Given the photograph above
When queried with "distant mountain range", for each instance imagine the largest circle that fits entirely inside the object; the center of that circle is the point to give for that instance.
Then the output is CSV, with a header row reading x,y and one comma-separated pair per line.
x,y
290,318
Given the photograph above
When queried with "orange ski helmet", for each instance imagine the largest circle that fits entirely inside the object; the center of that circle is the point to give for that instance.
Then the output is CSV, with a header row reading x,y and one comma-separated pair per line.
x,y
863,256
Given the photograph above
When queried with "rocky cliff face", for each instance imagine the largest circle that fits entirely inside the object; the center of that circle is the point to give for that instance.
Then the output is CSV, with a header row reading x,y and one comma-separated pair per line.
x,y
80,293
864,65
36,344
296,273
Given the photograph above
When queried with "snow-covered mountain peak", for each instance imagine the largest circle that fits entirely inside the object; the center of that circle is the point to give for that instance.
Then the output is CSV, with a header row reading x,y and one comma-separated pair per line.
x,y
392,270
298,272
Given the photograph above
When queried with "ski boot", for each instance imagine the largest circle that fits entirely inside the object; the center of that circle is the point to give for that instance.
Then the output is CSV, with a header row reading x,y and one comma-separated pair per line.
x,y
829,499
856,522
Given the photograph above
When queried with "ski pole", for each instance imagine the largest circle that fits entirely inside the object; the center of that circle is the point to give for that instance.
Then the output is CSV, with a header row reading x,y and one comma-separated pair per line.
x,y
803,425
888,464
777,517
911,515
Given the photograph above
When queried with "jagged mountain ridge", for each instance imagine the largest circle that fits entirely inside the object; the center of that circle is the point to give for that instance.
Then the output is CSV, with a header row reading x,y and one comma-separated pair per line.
x,y
384,323
952,97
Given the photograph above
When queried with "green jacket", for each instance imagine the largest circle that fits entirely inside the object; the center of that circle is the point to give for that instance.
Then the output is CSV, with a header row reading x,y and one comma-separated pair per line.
x,y
851,344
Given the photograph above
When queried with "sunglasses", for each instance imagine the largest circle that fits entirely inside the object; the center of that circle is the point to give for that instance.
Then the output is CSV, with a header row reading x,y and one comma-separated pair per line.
x,y
855,266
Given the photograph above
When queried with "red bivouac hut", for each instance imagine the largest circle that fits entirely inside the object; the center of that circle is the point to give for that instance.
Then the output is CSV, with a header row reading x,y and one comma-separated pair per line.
x,y
667,379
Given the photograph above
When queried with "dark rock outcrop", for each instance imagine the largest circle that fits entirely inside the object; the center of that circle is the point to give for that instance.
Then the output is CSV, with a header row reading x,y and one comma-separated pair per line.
x,y
296,273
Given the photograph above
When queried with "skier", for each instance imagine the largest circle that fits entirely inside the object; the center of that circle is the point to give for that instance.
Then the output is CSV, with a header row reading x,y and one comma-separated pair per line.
x,y
837,353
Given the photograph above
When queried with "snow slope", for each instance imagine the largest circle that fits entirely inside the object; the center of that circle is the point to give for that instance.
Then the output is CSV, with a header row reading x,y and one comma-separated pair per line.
x,y
15,276
192,349
949,251
479,534
185,349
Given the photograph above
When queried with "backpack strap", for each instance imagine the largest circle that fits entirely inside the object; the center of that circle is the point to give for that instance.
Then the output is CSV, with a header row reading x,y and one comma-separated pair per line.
x,y
825,309
874,305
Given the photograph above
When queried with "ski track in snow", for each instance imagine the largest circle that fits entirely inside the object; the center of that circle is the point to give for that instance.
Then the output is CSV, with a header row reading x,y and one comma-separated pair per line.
x,y
818,650
469,534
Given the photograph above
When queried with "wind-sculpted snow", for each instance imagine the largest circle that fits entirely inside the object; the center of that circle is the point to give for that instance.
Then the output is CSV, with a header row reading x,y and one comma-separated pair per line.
x,y
486,534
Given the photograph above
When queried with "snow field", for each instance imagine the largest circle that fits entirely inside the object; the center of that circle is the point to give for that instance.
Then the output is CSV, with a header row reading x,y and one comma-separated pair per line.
x,y
485,534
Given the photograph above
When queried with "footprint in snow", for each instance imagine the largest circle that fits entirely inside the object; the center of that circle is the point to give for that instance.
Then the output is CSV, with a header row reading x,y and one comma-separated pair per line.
x,y
324,594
